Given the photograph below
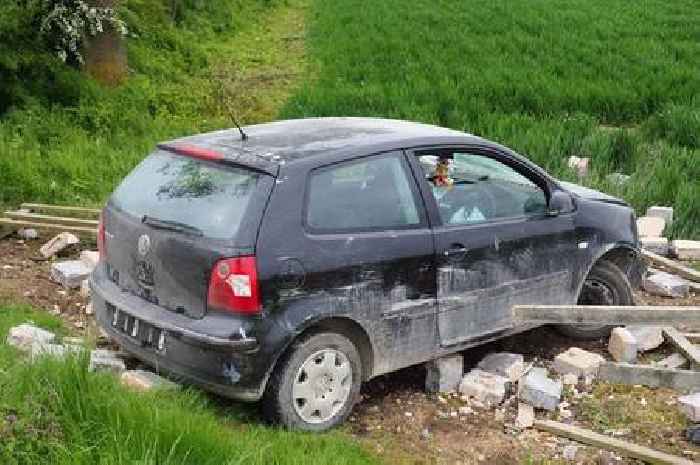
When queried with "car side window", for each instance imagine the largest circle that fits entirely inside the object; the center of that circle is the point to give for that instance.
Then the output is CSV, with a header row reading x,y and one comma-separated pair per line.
x,y
367,194
472,188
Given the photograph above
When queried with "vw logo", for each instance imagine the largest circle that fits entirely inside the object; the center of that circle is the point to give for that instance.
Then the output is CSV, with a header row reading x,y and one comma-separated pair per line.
x,y
144,244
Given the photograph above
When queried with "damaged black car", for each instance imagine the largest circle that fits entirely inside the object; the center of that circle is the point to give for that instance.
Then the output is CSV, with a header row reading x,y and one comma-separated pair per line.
x,y
291,261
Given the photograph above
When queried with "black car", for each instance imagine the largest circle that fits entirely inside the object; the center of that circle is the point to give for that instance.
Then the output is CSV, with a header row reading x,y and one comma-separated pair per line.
x,y
296,260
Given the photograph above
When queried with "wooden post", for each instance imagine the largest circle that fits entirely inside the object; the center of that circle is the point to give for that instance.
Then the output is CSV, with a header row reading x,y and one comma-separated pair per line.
x,y
105,54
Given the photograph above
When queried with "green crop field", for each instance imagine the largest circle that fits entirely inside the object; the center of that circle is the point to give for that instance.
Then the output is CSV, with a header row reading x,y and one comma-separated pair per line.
x,y
613,80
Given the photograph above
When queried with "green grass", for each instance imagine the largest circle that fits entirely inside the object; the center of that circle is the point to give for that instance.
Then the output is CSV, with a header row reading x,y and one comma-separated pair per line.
x,y
54,412
76,149
611,80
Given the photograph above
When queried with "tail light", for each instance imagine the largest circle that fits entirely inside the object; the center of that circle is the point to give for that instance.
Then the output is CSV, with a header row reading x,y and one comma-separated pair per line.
x,y
101,243
233,286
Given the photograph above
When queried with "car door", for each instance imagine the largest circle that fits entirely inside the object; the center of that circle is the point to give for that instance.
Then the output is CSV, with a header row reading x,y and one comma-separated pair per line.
x,y
366,251
496,243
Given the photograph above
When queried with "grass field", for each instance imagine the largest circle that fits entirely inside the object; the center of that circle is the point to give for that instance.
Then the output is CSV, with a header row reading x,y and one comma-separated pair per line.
x,y
57,413
613,80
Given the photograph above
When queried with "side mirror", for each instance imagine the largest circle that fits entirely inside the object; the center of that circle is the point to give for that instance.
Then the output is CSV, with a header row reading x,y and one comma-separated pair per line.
x,y
559,202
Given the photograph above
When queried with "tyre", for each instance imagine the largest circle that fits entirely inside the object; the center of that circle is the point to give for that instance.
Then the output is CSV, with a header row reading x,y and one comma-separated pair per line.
x,y
316,384
606,284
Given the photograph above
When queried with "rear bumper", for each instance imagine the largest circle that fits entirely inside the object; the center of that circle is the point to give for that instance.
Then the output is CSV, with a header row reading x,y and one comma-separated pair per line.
x,y
214,353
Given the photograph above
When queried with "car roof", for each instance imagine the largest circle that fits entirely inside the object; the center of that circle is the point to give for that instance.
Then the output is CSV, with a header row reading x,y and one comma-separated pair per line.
x,y
279,142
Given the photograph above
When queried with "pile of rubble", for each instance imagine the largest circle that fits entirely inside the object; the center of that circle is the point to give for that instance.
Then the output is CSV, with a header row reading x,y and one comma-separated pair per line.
x,y
502,379
37,343
651,229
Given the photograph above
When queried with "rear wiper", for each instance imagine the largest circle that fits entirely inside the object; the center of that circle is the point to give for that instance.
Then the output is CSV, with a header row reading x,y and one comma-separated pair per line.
x,y
171,225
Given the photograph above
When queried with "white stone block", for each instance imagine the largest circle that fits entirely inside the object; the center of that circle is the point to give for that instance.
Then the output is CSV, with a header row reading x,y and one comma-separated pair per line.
x,y
526,416
578,362
106,360
504,364
444,374
69,274
486,387
25,335
657,245
622,346
142,380
666,285
647,337
90,258
540,391
58,243
649,226
686,250
661,212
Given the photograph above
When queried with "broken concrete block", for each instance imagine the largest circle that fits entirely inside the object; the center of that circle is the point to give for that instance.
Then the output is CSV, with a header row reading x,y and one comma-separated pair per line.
x,y
49,350
657,245
569,452
69,274
661,212
649,226
540,391
106,360
90,258
674,362
142,380
622,345
578,362
57,244
504,364
526,416
647,337
485,387
28,234
25,335
444,374
690,405
665,285
686,250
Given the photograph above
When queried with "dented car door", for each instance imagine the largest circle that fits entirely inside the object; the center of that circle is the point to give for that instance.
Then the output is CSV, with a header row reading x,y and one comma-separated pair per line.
x,y
496,243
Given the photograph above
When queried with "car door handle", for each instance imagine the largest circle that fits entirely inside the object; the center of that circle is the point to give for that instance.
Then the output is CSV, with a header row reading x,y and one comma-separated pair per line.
x,y
456,250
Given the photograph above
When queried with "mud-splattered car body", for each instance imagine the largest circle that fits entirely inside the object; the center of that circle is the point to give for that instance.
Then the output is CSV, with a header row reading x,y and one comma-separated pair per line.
x,y
403,295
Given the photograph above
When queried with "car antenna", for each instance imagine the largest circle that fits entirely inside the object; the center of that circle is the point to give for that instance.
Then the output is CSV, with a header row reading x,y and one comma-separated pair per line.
x,y
231,113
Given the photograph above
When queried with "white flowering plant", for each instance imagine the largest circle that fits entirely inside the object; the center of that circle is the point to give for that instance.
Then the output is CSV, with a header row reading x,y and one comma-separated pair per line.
x,y
67,23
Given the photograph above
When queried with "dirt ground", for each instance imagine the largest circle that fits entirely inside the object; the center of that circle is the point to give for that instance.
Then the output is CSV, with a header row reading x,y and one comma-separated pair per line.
x,y
403,424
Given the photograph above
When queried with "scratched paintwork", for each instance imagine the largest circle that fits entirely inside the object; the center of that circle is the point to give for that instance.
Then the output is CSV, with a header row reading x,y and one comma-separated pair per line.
x,y
407,302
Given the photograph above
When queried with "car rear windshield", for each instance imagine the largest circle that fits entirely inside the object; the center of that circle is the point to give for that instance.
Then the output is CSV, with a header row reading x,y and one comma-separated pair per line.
x,y
192,195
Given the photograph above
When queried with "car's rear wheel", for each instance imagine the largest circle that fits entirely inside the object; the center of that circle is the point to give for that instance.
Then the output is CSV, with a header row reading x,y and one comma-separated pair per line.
x,y
316,384
606,284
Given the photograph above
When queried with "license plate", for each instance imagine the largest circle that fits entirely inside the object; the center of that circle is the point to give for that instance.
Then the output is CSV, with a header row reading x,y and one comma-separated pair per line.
x,y
138,330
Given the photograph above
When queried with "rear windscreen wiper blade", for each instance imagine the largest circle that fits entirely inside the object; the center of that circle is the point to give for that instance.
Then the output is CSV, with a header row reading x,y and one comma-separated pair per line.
x,y
171,225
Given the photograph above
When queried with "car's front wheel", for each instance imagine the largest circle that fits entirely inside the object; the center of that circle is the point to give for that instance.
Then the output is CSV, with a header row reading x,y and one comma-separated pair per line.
x,y
605,284
316,384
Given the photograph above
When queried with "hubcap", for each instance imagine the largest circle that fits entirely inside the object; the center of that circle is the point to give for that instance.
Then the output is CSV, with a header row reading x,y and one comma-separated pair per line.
x,y
322,386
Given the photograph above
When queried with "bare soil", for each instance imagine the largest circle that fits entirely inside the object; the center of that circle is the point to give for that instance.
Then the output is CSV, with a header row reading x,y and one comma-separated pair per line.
x,y
404,425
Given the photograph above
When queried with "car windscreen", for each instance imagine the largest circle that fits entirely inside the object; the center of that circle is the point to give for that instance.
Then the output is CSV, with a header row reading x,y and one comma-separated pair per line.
x,y
190,195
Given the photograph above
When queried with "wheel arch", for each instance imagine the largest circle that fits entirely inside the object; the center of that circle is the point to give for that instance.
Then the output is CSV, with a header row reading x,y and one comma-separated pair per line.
x,y
345,326
624,256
